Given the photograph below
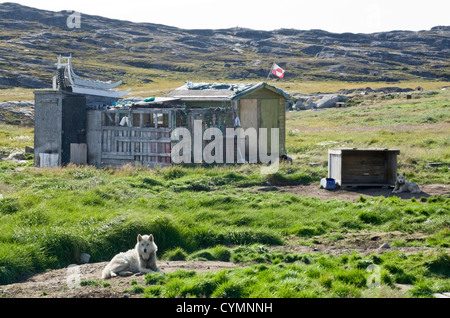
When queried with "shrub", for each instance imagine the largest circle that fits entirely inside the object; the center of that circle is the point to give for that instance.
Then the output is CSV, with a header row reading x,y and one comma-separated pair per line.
x,y
370,217
135,289
399,275
354,277
154,291
9,206
440,265
230,289
350,224
154,278
343,290
177,254
308,231
421,289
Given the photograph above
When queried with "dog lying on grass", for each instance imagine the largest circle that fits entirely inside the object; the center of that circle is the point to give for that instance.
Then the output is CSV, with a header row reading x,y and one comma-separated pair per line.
x,y
141,259
401,185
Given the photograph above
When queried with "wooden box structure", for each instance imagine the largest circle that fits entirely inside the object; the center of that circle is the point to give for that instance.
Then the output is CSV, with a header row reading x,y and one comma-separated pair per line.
x,y
352,167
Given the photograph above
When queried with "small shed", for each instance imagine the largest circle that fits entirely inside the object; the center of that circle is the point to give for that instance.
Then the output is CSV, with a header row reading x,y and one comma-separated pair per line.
x,y
60,125
352,167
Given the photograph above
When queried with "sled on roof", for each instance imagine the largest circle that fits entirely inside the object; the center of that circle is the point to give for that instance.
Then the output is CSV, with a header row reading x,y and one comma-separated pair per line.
x,y
68,80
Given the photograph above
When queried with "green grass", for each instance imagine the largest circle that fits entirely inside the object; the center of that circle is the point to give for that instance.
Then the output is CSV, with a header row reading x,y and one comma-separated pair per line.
x,y
16,94
14,138
310,276
419,128
49,216
309,87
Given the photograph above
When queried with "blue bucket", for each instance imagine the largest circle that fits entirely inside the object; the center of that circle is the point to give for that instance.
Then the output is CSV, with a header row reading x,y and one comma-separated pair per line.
x,y
328,183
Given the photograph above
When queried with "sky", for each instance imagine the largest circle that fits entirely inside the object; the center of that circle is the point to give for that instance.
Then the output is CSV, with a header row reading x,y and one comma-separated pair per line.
x,y
339,16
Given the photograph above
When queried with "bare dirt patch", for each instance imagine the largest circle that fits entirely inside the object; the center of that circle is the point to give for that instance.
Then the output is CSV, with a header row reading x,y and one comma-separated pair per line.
x,y
364,243
352,194
59,284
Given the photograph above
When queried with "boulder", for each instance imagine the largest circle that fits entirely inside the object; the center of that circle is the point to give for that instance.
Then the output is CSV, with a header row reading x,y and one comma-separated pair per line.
x,y
84,258
328,101
384,245
310,103
299,105
16,156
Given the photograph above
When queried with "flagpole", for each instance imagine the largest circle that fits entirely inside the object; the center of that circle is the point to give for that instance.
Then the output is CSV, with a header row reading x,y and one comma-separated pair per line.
x,y
270,72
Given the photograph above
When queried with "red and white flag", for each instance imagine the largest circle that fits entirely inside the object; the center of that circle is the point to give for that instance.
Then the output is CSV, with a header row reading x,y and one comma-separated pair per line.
x,y
277,71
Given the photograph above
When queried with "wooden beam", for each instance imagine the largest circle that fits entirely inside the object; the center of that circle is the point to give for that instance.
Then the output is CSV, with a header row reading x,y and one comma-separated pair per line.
x,y
130,155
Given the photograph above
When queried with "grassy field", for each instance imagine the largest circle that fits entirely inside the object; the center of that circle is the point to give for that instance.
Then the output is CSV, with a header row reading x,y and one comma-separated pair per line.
x,y
419,128
160,87
310,276
48,217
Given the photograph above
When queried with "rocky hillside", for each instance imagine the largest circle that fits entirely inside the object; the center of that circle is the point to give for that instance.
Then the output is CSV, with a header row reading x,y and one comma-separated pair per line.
x,y
30,40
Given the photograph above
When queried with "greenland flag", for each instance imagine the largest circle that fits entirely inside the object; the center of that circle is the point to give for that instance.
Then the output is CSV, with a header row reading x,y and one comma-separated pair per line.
x,y
277,71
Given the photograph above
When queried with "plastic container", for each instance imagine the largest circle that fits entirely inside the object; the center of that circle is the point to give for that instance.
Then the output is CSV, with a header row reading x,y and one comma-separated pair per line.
x,y
328,183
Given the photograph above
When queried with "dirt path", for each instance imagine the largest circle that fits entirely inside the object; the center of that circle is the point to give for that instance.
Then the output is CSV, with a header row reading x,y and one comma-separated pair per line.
x,y
61,283
352,195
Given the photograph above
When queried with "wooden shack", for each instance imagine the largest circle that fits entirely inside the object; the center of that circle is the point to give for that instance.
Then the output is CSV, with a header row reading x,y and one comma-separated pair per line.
x,y
137,133
352,167
249,105
120,133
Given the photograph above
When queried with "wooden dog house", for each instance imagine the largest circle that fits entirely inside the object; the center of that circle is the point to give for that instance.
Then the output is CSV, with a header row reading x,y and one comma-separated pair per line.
x,y
352,167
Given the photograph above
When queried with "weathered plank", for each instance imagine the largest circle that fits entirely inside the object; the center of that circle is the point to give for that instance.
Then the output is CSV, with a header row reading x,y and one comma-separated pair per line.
x,y
140,139
78,154
132,154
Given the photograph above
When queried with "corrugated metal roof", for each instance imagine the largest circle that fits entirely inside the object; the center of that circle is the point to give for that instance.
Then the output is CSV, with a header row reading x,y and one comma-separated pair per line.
x,y
262,85
186,94
157,100
219,92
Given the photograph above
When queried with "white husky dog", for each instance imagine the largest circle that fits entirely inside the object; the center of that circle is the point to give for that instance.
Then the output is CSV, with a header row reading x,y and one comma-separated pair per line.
x,y
401,185
141,259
